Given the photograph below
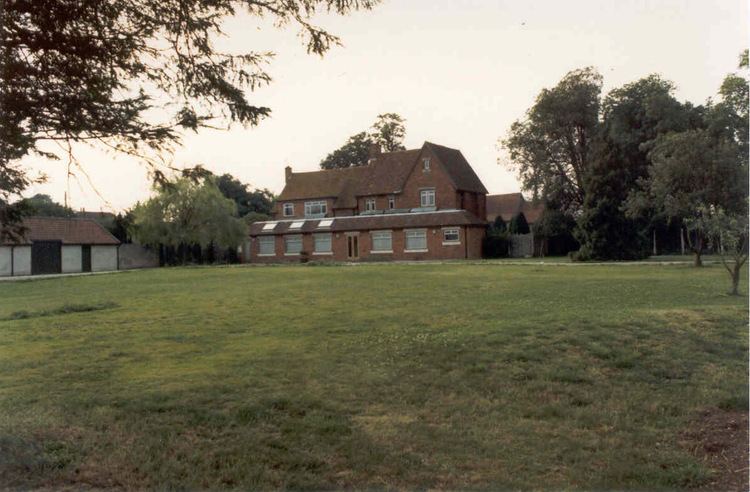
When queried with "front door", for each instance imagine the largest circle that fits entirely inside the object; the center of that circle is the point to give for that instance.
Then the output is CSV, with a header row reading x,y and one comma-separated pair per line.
x,y
46,257
352,246
86,258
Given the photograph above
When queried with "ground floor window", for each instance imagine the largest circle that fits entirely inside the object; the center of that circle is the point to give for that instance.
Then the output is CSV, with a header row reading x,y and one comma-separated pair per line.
x,y
416,239
451,236
293,244
322,243
382,241
266,245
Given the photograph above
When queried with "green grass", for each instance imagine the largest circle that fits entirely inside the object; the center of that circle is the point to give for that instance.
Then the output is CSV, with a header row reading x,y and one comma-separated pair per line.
x,y
384,376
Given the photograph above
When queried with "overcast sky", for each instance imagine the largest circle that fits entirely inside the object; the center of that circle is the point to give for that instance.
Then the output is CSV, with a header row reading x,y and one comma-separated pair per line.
x,y
459,71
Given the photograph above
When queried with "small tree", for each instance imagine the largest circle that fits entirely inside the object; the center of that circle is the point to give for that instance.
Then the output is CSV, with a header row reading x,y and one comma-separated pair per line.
x,y
728,234
187,213
518,225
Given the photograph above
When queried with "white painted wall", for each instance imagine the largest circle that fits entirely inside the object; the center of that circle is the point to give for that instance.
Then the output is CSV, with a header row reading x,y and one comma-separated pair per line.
x,y
22,260
103,258
6,257
71,259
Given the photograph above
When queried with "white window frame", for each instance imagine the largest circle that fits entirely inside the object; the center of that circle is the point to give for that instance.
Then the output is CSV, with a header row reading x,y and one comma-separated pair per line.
x,y
318,236
268,240
426,164
383,235
415,233
451,242
424,196
391,202
287,239
370,204
323,207
291,209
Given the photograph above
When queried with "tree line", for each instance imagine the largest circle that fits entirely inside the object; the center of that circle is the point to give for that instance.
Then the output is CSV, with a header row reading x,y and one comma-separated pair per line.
x,y
616,167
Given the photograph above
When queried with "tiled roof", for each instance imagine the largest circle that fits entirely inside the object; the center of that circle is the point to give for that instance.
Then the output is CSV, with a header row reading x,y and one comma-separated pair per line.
x,y
509,205
69,231
385,175
372,222
458,168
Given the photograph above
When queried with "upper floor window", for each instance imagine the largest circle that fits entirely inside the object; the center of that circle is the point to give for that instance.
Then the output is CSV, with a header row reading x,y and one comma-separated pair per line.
x,y
426,163
391,202
288,209
315,209
370,204
427,198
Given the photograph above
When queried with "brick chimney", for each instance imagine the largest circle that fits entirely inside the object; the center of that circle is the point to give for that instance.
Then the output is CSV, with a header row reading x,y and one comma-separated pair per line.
x,y
287,173
374,152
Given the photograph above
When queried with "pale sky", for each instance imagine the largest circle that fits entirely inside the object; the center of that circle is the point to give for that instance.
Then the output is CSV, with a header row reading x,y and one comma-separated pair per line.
x,y
459,71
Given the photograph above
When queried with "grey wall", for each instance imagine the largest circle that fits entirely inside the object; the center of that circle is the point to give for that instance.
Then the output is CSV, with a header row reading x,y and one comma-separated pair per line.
x,y
6,257
521,245
22,260
71,259
136,256
103,258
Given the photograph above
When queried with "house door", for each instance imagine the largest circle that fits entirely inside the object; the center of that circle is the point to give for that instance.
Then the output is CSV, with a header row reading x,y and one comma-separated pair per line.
x,y
46,257
352,246
86,258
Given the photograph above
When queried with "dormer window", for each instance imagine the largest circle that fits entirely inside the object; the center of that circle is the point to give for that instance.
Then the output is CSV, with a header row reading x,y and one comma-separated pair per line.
x,y
370,204
426,163
288,209
391,202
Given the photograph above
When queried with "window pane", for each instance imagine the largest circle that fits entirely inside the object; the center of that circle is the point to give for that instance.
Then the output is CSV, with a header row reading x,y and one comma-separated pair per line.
x,y
266,245
450,235
382,241
292,244
416,240
322,243
427,198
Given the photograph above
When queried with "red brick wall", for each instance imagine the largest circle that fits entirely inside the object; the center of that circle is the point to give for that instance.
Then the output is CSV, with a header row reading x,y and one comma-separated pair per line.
x,y
470,246
299,208
436,177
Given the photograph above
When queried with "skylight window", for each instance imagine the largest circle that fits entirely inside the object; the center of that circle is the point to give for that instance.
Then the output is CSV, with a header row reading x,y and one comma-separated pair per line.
x,y
297,224
269,226
325,223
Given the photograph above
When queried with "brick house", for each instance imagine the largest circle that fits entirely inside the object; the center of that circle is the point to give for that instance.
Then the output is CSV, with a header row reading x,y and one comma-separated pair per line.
x,y
425,203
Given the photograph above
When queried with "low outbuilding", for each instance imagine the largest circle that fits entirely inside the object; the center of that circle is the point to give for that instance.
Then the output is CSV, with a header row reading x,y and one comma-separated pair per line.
x,y
59,245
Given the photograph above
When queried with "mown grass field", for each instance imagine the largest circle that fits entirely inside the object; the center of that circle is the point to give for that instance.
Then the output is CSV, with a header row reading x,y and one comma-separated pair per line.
x,y
379,376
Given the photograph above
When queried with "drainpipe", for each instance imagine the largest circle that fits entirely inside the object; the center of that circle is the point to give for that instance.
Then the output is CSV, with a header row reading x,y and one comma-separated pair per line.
x,y
12,261
466,242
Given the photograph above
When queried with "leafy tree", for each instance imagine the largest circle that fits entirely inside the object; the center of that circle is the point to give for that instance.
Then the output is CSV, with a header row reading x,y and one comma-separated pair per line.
x,y
633,116
44,205
121,226
518,225
701,168
550,148
387,133
75,71
728,235
258,201
186,213
354,152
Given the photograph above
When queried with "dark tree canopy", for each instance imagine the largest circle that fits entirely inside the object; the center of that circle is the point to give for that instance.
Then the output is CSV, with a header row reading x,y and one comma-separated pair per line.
x,y
43,205
130,74
519,225
257,201
550,148
386,134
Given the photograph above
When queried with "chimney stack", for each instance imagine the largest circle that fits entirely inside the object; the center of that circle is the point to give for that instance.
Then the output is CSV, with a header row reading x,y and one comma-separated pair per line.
x,y
374,152
287,173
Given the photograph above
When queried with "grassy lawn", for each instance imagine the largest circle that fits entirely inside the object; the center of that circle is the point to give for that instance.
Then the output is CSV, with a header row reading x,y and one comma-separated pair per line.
x,y
403,376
